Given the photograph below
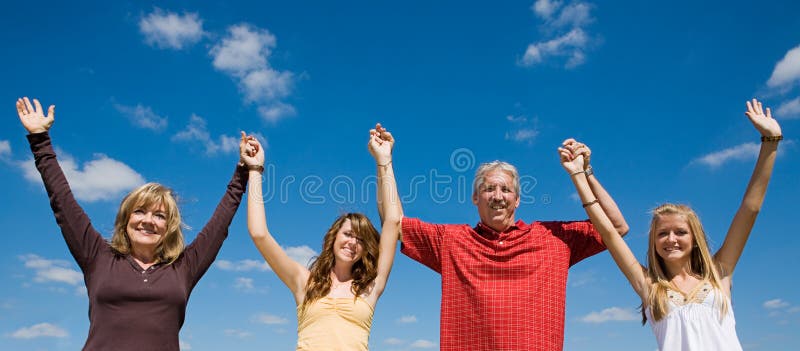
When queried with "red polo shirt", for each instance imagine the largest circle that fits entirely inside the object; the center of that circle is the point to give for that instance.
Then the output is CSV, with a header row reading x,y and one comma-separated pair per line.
x,y
501,291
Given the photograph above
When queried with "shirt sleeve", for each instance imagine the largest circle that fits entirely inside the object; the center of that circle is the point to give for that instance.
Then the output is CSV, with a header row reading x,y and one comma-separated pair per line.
x,y
200,254
422,242
83,241
581,237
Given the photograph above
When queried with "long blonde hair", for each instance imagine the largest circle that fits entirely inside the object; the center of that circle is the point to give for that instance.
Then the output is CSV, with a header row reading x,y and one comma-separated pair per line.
x,y
364,271
148,196
701,262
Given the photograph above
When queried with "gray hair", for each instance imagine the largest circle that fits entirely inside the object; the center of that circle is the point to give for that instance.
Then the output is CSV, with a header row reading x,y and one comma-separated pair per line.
x,y
483,169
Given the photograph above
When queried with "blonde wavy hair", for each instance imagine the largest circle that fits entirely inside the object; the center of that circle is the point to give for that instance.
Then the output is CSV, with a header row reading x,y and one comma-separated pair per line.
x,y
701,262
148,196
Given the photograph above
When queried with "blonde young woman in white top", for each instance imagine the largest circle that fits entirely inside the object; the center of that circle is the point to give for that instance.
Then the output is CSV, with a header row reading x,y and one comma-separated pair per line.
x,y
685,291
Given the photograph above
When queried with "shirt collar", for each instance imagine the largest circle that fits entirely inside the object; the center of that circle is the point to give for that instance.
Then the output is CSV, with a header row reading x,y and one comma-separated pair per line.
x,y
488,232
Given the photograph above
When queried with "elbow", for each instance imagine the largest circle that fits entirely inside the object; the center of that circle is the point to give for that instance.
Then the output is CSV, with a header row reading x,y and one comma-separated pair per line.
x,y
623,229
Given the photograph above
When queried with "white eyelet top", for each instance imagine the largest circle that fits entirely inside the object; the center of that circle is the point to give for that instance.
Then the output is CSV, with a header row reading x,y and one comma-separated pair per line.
x,y
693,322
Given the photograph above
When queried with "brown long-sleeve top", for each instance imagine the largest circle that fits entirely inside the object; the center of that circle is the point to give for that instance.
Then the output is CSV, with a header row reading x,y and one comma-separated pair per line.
x,y
131,308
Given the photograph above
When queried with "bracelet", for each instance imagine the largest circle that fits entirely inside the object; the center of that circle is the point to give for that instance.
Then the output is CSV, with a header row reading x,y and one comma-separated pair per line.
x,y
595,201
257,168
589,171
771,138
385,164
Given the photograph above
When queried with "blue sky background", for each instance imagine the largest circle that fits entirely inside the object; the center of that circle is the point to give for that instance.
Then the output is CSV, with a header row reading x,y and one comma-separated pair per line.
x,y
151,91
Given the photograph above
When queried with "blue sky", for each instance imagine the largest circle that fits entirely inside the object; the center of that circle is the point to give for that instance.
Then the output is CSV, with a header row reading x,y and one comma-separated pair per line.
x,y
158,91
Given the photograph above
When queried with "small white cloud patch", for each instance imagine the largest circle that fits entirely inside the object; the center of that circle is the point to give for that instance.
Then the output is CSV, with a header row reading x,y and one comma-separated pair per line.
x,y
41,330
611,314
169,30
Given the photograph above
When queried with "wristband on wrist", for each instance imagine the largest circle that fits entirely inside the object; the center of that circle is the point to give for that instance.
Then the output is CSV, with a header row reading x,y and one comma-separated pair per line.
x,y
595,201
589,171
257,168
385,164
775,138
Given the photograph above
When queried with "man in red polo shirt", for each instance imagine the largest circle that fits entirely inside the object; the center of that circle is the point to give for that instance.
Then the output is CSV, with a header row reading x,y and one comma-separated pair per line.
x,y
504,280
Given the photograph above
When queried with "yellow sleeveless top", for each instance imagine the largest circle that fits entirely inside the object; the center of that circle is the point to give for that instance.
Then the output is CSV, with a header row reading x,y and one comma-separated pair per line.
x,y
334,323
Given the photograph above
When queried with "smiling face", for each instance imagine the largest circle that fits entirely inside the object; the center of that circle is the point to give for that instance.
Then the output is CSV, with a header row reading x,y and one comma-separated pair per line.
x,y
496,199
147,227
347,247
674,239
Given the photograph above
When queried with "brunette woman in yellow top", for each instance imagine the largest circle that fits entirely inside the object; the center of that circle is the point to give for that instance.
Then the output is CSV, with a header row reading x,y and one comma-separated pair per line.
x,y
336,297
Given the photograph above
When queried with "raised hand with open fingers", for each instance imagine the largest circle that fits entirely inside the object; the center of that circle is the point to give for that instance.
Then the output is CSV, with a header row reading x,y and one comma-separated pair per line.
x,y
32,116
765,124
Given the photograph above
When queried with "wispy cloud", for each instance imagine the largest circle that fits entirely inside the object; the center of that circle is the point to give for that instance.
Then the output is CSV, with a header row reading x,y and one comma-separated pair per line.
x,y
393,341
611,314
142,116
265,318
775,304
423,344
169,30
787,70
184,345
236,333
102,178
300,254
41,330
5,149
197,131
407,319
242,266
51,270
566,26
747,151
788,109
244,284
521,130
244,55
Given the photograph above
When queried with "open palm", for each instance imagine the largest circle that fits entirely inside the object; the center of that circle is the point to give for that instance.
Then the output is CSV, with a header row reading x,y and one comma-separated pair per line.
x,y
32,116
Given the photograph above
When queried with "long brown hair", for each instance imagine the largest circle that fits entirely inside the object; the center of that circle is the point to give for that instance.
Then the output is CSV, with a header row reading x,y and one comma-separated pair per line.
x,y
364,270
701,262
148,196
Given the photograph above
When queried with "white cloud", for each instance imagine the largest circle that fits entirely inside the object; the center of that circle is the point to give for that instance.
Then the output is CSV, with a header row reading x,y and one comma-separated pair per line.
x,y
169,30
51,270
423,344
393,341
545,8
570,41
242,266
244,55
787,70
143,116
521,131
575,15
265,318
745,151
407,319
101,179
570,44
775,304
184,345
5,149
611,314
244,284
241,334
794,309
197,130
522,135
40,330
789,109
300,254
245,49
